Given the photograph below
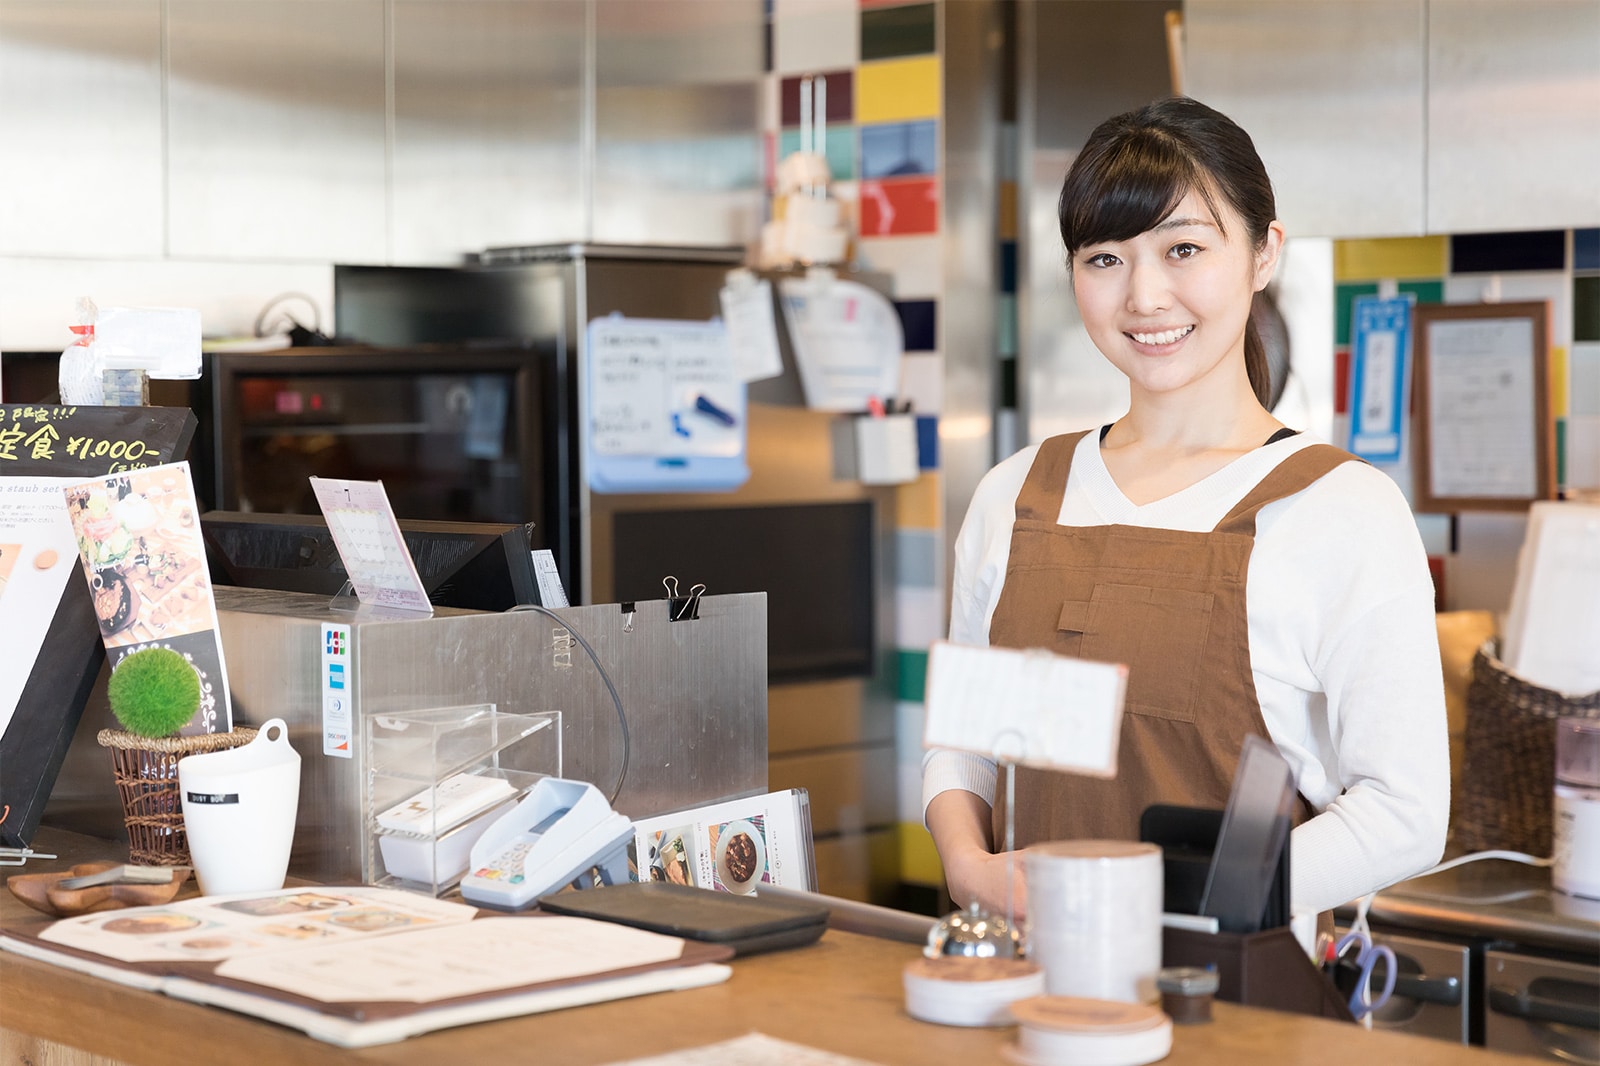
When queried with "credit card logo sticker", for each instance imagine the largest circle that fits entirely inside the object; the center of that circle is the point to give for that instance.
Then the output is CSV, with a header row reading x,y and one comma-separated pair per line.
x,y
336,675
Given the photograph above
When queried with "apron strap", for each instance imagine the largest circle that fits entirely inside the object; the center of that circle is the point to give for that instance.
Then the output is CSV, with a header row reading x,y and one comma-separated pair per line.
x,y
1292,475
1046,483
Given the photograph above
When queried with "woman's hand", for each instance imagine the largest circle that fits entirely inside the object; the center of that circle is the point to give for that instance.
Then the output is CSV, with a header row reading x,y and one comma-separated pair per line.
x,y
959,822
987,878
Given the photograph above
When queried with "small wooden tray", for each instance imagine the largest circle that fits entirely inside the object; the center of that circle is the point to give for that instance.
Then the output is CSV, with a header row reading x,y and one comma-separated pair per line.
x,y
40,891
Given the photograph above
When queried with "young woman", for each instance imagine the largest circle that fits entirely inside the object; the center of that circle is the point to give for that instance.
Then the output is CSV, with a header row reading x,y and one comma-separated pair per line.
x,y
1253,580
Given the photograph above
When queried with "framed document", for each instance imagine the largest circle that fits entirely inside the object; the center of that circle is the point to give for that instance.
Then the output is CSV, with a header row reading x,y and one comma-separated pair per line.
x,y
1485,438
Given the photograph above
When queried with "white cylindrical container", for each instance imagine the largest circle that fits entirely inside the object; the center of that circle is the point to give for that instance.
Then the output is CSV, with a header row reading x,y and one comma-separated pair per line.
x,y
1094,917
1576,867
239,809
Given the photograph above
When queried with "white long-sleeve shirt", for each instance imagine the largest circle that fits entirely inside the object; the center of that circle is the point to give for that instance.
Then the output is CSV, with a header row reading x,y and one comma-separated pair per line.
x,y
1343,647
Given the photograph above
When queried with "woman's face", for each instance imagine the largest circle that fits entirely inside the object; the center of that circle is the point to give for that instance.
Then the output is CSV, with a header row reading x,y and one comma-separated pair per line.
x,y
1169,306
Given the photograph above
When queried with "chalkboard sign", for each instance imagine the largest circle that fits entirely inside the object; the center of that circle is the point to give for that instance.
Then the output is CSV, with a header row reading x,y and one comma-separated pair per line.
x,y
61,441
69,443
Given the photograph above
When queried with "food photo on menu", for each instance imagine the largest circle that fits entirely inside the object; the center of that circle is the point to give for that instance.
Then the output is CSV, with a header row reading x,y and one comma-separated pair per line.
x,y
740,853
139,542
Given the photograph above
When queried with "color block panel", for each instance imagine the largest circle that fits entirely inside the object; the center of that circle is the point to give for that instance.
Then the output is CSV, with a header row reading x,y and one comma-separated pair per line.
x,y
900,149
927,442
1341,381
1583,381
915,263
918,616
911,675
815,35
916,559
1400,257
898,90
1583,453
1586,249
1426,292
1558,382
917,502
919,322
838,102
896,208
922,382
1476,253
1586,309
1008,266
1008,211
919,857
1006,324
888,32
839,146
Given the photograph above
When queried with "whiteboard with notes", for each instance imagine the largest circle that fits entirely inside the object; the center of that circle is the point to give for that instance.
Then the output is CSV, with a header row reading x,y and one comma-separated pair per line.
x,y
665,409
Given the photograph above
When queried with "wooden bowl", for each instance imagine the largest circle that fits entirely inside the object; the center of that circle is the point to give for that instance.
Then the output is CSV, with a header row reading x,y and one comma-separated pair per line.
x,y
41,891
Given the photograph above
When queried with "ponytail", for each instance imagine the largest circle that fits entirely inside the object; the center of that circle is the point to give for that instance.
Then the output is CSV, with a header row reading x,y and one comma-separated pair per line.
x,y
1255,363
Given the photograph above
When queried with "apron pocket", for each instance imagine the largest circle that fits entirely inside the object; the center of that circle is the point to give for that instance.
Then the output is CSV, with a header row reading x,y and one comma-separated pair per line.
x,y
1159,633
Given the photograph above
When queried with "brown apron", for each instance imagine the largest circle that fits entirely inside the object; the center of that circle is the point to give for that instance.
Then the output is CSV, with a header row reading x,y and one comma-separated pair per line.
x,y
1168,603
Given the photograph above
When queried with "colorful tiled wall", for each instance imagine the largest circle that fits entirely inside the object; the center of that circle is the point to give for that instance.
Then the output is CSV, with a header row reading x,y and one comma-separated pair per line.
x,y
884,92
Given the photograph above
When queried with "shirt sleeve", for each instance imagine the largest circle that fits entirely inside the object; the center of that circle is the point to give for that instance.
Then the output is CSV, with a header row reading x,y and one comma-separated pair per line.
x,y
1370,640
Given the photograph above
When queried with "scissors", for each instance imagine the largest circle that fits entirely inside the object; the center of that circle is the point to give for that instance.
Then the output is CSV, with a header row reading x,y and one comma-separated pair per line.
x,y
1365,961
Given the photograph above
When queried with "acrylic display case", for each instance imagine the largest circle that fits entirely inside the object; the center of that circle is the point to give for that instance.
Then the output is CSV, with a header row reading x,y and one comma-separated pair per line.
x,y
438,777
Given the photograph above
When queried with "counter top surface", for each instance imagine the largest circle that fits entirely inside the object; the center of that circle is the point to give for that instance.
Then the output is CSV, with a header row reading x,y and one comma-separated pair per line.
x,y
842,994
1500,899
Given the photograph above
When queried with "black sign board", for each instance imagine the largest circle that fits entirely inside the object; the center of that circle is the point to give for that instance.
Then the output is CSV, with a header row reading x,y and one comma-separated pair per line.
x,y
42,440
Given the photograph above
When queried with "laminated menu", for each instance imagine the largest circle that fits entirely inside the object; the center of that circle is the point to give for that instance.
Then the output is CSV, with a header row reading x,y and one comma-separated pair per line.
x,y
357,966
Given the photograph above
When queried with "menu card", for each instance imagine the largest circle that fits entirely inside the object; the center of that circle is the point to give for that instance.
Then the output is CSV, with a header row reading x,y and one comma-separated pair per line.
x,y
138,539
370,543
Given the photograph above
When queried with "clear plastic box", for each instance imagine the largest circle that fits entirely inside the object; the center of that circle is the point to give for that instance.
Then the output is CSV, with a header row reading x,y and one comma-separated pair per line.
x,y
438,777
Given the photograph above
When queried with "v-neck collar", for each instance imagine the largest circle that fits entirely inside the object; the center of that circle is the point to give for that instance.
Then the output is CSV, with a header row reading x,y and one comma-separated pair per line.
x,y
1225,486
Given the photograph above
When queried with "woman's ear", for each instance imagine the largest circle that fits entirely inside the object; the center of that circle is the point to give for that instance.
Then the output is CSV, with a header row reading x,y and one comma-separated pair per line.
x,y
1267,255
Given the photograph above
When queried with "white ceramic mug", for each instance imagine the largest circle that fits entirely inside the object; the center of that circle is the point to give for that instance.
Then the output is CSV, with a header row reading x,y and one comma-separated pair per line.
x,y
239,808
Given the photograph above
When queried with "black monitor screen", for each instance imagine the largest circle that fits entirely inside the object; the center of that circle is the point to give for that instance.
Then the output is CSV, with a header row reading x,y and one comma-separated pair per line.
x,y
814,562
475,565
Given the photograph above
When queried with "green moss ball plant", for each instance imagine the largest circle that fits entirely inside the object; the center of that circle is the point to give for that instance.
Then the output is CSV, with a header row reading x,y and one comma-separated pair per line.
x,y
153,692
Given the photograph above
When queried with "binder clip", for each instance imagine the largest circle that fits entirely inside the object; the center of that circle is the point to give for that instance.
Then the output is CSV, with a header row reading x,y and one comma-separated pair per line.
x,y
681,608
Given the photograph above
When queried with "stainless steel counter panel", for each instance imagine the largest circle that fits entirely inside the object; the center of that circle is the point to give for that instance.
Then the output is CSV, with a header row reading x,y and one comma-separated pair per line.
x,y
1494,898
694,692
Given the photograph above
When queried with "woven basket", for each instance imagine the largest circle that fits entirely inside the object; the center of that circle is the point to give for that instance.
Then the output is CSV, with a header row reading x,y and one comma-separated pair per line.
x,y
1504,800
146,769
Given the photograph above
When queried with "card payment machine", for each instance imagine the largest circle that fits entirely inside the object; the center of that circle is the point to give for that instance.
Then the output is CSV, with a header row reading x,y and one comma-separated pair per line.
x,y
559,830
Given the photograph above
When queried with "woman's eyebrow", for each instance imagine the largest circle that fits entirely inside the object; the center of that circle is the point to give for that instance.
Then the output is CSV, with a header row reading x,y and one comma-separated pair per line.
x,y
1182,223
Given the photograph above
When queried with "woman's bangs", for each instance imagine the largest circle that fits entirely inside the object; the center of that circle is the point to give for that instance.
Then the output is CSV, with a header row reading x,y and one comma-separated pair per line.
x,y
1124,193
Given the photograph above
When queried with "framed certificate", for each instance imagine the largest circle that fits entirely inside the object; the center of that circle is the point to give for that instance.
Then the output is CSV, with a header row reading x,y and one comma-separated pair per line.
x,y
1485,437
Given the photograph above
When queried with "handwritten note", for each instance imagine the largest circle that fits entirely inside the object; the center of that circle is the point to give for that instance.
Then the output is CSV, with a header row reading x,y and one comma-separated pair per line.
x,y
1481,408
1031,707
663,388
370,543
41,439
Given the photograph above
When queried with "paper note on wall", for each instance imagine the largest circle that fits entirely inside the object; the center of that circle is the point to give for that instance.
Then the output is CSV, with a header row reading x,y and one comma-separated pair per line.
x,y
847,341
665,408
1031,707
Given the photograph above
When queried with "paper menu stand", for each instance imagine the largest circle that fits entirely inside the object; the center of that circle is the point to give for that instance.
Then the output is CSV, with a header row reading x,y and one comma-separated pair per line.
x,y
382,573
732,846
438,777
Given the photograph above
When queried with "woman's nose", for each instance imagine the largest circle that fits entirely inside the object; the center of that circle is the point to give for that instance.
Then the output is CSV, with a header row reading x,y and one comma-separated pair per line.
x,y
1147,289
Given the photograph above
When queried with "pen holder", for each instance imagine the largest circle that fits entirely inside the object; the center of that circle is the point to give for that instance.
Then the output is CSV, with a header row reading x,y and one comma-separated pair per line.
x,y
1266,969
885,449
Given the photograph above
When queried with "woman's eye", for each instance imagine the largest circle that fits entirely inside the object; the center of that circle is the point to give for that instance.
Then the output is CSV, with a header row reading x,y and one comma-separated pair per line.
x,y
1101,259
1184,250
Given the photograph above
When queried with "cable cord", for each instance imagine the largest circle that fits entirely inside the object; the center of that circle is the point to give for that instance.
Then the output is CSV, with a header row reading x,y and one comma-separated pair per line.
x,y
1360,929
622,719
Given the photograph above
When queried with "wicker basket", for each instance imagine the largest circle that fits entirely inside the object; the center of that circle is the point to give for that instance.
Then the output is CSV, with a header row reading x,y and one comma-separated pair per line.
x,y
1504,800
146,769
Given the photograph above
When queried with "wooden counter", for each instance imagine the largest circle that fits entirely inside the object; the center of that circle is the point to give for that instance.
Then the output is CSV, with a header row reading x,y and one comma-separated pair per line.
x,y
842,995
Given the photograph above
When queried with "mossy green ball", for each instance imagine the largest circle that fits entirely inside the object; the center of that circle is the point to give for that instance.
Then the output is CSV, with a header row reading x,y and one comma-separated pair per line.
x,y
154,692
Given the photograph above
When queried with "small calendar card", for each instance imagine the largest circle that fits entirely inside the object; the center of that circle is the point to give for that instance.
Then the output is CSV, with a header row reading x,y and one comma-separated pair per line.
x,y
369,541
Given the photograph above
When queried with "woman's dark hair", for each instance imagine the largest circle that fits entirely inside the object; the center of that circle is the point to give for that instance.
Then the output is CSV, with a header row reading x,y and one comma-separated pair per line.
x,y
1137,166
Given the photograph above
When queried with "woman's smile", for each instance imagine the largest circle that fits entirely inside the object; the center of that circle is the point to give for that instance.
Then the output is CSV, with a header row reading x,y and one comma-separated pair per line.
x,y
1162,338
